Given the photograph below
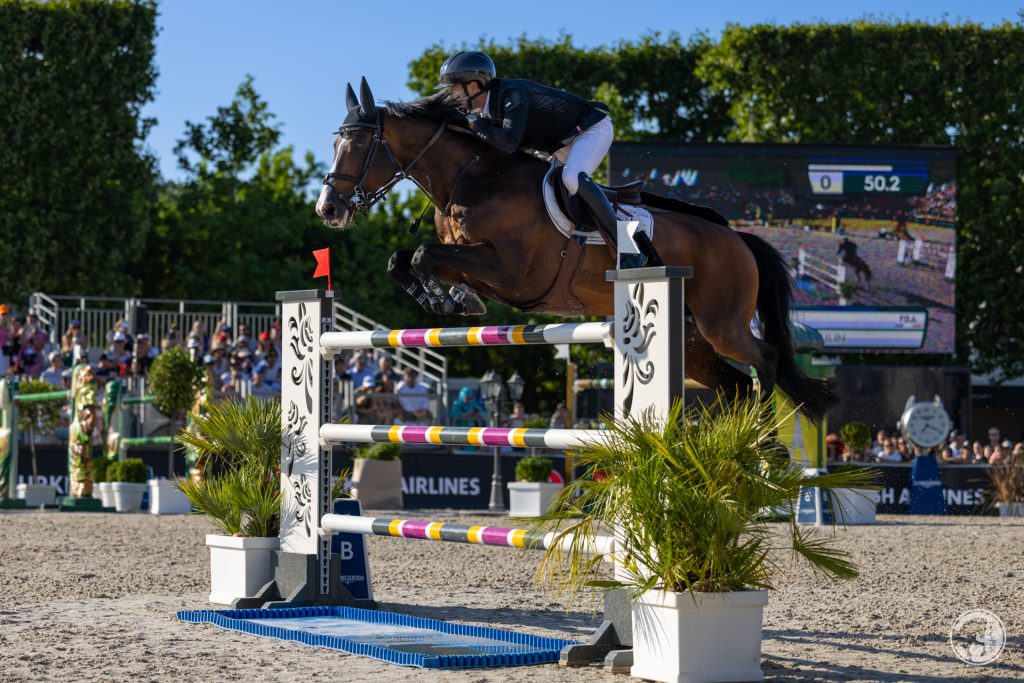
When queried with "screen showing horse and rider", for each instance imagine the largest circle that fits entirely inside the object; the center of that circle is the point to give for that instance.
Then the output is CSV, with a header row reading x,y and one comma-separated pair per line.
x,y
869,232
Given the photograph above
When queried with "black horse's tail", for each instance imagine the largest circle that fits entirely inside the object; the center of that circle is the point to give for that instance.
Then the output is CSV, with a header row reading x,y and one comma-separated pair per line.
x,y
813,396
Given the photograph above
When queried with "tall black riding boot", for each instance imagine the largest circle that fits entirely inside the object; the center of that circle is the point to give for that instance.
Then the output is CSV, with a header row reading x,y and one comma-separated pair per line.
x,y
595,200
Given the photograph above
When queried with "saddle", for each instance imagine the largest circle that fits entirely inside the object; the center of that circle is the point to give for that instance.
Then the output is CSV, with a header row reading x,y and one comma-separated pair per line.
x,y
575,209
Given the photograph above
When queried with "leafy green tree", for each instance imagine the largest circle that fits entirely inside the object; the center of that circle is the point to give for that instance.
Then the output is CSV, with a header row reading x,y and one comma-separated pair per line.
x,y
74,180
870,82
174,380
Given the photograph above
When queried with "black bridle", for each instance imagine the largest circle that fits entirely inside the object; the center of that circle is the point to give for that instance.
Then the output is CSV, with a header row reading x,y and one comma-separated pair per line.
x,y
360,200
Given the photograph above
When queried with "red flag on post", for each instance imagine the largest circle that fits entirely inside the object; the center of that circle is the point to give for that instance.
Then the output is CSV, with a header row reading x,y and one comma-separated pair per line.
x,y
323,265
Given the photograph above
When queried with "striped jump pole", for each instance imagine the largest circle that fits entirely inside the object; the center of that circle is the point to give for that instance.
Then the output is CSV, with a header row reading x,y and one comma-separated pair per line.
x,y
646,334
585,384
490,335
454,533
557,439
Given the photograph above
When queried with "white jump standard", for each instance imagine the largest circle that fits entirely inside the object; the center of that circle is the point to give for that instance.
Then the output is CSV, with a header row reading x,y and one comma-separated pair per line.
x,y
648,339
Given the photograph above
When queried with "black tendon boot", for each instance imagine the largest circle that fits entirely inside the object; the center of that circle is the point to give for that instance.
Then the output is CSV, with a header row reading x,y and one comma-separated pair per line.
x,y
599,206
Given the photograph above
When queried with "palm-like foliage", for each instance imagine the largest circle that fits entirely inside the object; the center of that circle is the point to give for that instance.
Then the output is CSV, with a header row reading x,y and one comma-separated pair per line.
x,y
241,442
686,497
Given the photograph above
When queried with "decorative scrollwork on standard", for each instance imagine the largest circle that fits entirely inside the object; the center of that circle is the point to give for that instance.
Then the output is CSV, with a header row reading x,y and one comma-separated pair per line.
x,y
293,440
638,331
300,339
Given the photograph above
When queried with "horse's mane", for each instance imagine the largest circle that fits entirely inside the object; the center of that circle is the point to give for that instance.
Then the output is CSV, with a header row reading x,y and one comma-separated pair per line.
x,y
436,107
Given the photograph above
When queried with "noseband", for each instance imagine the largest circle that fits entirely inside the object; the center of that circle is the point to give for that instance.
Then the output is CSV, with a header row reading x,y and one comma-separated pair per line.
x,y
360,200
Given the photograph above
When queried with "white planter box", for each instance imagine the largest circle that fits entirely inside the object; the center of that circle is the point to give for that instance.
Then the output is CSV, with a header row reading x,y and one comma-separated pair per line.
x,y
531,498
127,496
854,506
35,495
675,642
377,483
105,493
239,566
166,499
1008,509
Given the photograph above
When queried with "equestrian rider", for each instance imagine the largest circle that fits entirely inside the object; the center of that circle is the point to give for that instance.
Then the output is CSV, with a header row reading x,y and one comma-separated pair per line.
x,y
511,114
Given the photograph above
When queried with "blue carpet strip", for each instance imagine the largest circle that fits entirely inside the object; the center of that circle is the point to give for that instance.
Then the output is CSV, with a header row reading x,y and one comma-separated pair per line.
x,y
530,649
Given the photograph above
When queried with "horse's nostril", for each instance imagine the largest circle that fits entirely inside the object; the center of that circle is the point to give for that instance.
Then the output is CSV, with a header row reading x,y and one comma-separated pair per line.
x,y
328,210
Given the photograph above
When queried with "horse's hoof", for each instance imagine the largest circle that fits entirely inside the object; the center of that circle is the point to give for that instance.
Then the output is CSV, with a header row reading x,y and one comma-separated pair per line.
x,y
469,301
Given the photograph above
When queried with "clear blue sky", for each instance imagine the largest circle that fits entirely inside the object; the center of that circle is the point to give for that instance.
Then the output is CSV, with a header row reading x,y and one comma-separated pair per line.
x,y
302,53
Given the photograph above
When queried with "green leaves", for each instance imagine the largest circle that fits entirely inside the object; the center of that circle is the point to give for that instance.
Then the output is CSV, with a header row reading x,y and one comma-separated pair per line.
x,y
240,443
686,499
174,379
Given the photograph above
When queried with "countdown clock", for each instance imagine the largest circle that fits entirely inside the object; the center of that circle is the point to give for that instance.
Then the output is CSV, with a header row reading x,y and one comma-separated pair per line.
x,y
925,424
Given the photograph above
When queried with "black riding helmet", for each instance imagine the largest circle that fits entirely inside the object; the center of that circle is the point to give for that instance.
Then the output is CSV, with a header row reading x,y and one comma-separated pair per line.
x,y
466,66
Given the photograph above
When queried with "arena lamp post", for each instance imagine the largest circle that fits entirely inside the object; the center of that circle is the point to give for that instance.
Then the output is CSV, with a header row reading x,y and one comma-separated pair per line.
x,y
491,387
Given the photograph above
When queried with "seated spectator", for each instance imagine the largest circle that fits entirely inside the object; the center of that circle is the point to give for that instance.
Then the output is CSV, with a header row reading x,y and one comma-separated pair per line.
x,y
273,366
359,370
119,351
106,369
518,418
54,374
1000,454
121,328
413,396
559,418
946,456
980,458
260,387
30,362
243,337
67,342
244,357
957,441
264,345
835,450
467,411
195,349
889,453
213,378
170,338
994,436
903,448
878,446
1017,455
387,377
221,363
233,382
143,356
199,332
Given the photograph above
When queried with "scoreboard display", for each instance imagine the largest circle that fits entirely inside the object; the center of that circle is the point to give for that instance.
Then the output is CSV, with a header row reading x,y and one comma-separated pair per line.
x,y
846,177
869,232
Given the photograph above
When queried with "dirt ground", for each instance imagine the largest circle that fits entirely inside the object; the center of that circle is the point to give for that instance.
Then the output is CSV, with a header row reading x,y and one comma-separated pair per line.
x,y
94,596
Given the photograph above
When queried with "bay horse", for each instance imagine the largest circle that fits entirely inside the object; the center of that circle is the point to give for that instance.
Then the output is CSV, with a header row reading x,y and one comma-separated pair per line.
x,y
497,240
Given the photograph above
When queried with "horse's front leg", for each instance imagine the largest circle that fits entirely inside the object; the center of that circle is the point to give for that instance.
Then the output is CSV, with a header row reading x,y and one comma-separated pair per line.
x,y
399,267
434,263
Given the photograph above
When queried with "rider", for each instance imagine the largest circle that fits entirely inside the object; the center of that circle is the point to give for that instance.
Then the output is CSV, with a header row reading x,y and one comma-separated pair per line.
x,y
511,114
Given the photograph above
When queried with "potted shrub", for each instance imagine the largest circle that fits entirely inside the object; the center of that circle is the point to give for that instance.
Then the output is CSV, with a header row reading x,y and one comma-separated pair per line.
x,y
377,476
101,485
239,441
684,500
1008,489
530,495
128,483
854,506
174,380
37,418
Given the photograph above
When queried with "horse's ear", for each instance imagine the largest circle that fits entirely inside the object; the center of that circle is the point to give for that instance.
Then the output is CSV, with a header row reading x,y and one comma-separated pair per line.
x,y
366,103
351,101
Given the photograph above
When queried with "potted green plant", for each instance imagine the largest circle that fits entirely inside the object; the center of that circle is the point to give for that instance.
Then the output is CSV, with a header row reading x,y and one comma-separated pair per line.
x,y
174,380
684,500
1008,489
855,506
38,418
239,442
377,476
128,483
530,495
101,483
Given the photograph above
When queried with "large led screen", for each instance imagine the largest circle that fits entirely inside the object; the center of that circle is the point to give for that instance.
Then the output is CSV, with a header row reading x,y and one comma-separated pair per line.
x,y
869,232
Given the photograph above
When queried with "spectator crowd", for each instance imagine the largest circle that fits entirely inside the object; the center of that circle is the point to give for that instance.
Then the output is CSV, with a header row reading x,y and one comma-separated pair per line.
x,y
958,450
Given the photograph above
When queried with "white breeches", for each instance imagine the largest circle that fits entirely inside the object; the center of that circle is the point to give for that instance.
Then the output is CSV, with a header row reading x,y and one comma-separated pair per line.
x,y
585,152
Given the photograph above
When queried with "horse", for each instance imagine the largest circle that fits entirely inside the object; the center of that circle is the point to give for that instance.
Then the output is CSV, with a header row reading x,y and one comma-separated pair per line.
x,y
859,265
496,240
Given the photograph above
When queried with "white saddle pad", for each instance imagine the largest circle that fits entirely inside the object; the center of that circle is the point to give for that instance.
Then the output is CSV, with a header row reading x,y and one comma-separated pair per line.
x,y
567,227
